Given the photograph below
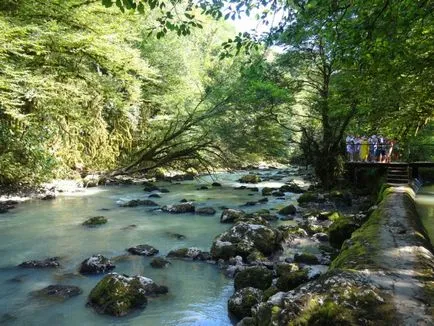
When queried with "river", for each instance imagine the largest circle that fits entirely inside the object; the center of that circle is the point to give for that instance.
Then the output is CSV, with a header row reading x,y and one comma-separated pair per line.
x,y
198,291
425,207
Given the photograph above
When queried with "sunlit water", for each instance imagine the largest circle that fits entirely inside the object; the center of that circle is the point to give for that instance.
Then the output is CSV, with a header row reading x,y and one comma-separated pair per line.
x,y
198,292
425,207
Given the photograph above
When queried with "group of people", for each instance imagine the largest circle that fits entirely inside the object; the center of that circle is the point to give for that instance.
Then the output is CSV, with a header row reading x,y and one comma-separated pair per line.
x,y
370,149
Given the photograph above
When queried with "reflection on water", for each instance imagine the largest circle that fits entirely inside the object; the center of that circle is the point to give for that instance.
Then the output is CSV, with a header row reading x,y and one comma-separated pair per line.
x,y
38,229
425,207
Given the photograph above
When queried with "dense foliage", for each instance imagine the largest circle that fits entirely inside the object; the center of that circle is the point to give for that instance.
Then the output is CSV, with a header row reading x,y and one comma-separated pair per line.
x,y
86,86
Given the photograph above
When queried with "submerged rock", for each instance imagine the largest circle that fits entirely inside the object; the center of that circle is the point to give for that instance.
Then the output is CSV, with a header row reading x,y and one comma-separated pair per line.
x,y
266,191
216,184
159,262
143,250
205,211
94,221
154,196
176,236
150,187
189,253
187,207
59,292
139,202
96,264
240,304
52,262
117,295
258,277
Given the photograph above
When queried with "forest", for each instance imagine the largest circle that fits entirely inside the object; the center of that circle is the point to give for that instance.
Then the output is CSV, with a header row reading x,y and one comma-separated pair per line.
x,y
126,87
217,163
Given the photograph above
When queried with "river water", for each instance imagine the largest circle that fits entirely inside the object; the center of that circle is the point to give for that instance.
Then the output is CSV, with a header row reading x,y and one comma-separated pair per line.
x,y
425,207
198,292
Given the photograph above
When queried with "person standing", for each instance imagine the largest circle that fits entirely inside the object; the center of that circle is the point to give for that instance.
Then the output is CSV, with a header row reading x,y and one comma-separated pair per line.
x,y
350,147
364,149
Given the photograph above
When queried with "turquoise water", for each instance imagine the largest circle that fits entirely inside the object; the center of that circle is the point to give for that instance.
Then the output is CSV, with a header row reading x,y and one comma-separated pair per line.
x,y
425,207
198,292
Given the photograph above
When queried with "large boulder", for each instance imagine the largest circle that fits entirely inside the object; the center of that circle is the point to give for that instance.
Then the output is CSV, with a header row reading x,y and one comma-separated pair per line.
x,y
244,238
230,215
95,221
58,292
187,207
143,250
96,264
117,295
139,202
258,277
52,262
240,304
250,178
92,180
306,258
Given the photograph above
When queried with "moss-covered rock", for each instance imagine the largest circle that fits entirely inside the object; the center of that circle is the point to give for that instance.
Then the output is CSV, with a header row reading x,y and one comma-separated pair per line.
x,y
159,262
292,187
290,280
266,191
229,215
341,230
288,210
241,302
205,211
139,202
58,292
189,253
306,258
307,197
283,268
117,295
272,290
244,238
258,277
94,221
250,178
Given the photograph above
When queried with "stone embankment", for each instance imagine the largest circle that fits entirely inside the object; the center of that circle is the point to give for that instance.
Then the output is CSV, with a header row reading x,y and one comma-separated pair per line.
x,y
383,275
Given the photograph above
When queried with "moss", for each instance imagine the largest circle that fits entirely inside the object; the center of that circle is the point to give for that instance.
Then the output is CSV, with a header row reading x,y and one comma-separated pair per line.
x,y
268,293
96,220
288,210
114,297
241,302
341,230
290,281
307,197
257,277
328,314
425,268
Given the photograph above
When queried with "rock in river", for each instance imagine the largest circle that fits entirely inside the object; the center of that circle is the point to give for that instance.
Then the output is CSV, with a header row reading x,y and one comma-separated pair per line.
x,y
139,202
230,215
117,295
143,250
189,253
205,211
159,262
58,292
187,207
46,263
94,221
240,304
96,264
258,277
246,239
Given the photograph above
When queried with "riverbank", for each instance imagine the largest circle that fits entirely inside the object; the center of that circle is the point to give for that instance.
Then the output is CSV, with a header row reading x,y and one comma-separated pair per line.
x,y
383,275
